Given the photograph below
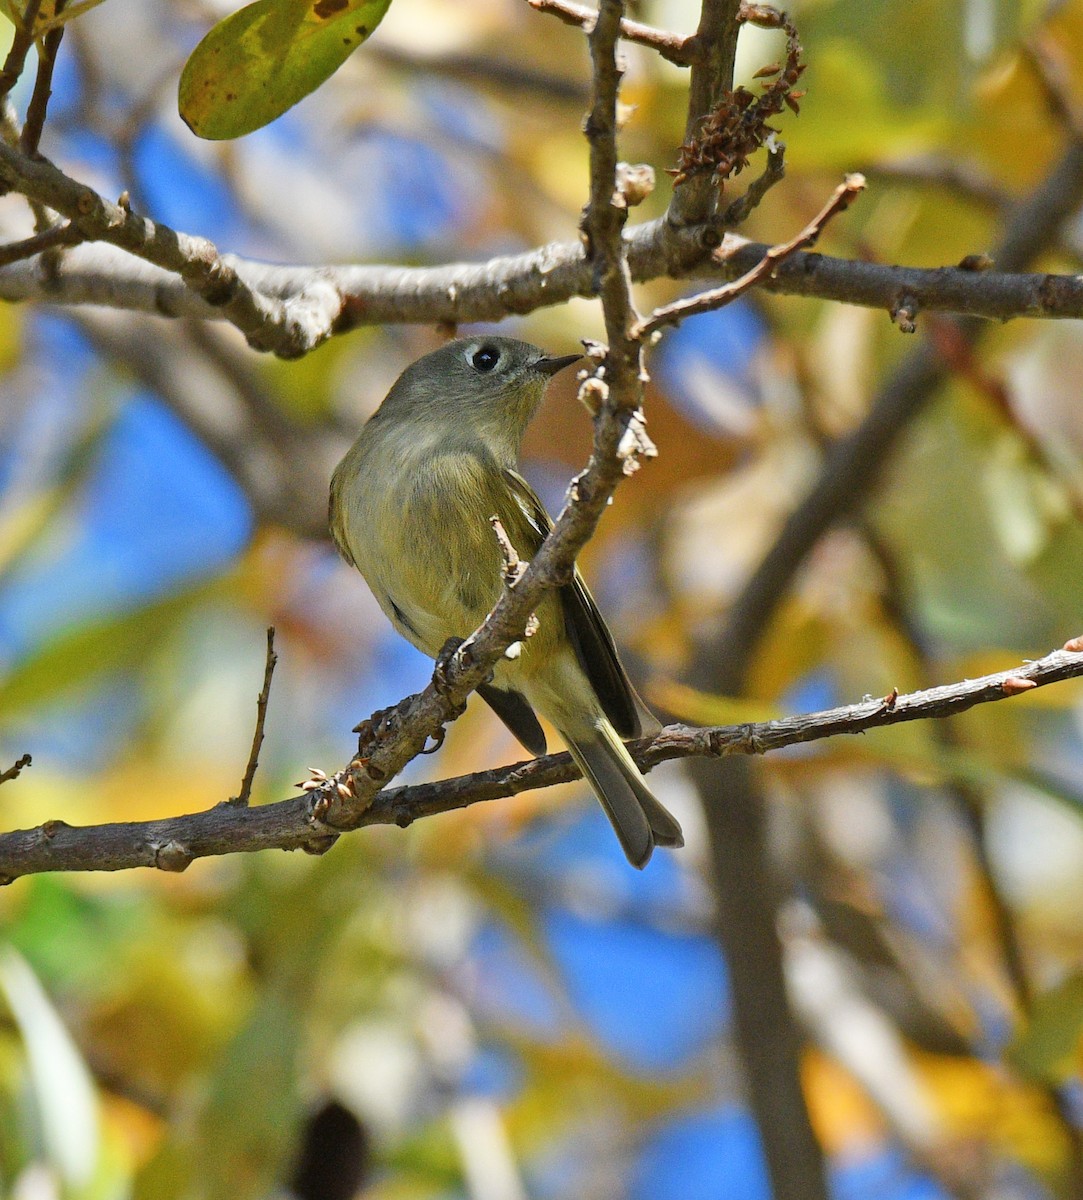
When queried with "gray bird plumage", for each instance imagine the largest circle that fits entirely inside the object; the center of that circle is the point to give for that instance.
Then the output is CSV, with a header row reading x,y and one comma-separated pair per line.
x,y
410,508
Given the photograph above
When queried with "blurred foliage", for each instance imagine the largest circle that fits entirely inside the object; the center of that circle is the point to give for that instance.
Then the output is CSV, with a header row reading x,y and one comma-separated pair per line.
x,y
498,1002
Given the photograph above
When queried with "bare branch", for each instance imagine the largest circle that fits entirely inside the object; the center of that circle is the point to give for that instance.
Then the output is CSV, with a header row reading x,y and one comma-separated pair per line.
x,y
775,171
607,212
296,823
459,293
288,327
245,794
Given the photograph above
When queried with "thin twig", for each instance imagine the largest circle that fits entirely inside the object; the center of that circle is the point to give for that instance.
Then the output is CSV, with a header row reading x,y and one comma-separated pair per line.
x,y
16,769
57,235
605,217
15,62
773,173
679,310
48,47
245,794
674,47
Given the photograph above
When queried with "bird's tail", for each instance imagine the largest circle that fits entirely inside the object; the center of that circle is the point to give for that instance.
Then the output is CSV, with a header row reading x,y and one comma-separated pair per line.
x,y
640,821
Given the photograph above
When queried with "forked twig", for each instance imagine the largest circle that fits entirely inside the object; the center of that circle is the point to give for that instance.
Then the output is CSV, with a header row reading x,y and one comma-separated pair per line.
x,y
671,314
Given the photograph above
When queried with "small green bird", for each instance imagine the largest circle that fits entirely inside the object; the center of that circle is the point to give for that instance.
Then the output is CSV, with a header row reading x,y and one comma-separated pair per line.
x,y
410,507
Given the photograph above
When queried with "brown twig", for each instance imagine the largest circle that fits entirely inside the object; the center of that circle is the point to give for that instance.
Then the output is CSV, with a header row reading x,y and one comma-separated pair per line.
x,y
16,769
775,171
245,794
679,310
50,239
605,217
674,47
15,62
299,822
48,47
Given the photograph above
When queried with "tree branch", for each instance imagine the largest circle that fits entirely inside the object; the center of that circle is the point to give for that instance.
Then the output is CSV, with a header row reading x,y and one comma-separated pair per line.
x,y
288,327
460,293
172,843
714,47
48,239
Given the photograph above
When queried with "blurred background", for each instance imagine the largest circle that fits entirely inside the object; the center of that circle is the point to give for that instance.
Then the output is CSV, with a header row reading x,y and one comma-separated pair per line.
x,y
492,1005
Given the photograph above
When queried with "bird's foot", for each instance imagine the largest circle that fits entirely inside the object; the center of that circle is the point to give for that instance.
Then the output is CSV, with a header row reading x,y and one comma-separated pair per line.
x,y
440,679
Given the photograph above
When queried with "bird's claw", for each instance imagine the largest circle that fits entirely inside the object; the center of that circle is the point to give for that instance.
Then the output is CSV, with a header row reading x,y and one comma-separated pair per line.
x,y
440,679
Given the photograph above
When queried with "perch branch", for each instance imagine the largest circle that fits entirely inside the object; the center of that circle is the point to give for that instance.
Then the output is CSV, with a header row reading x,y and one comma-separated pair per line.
x,y
173,842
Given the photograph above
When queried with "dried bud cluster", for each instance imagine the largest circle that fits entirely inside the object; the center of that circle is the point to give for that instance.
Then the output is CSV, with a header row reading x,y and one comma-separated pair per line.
x,y
737,127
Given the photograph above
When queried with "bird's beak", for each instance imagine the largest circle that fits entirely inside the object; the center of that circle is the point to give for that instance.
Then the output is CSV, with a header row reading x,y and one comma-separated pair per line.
x,y
550,366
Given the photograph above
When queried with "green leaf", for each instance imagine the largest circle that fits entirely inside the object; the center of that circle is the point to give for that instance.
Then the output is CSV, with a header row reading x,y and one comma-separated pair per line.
x,y
261,60
1049,1046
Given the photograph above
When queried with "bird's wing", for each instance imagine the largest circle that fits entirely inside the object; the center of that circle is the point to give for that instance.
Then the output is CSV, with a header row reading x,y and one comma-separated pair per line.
x,y
587,631
514,710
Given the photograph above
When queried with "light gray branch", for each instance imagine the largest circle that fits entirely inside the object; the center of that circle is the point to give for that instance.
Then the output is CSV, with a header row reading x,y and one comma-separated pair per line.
x,y
459,293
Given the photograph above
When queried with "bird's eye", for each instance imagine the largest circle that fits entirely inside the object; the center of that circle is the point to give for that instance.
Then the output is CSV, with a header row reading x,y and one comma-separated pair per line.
x,y
485,358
